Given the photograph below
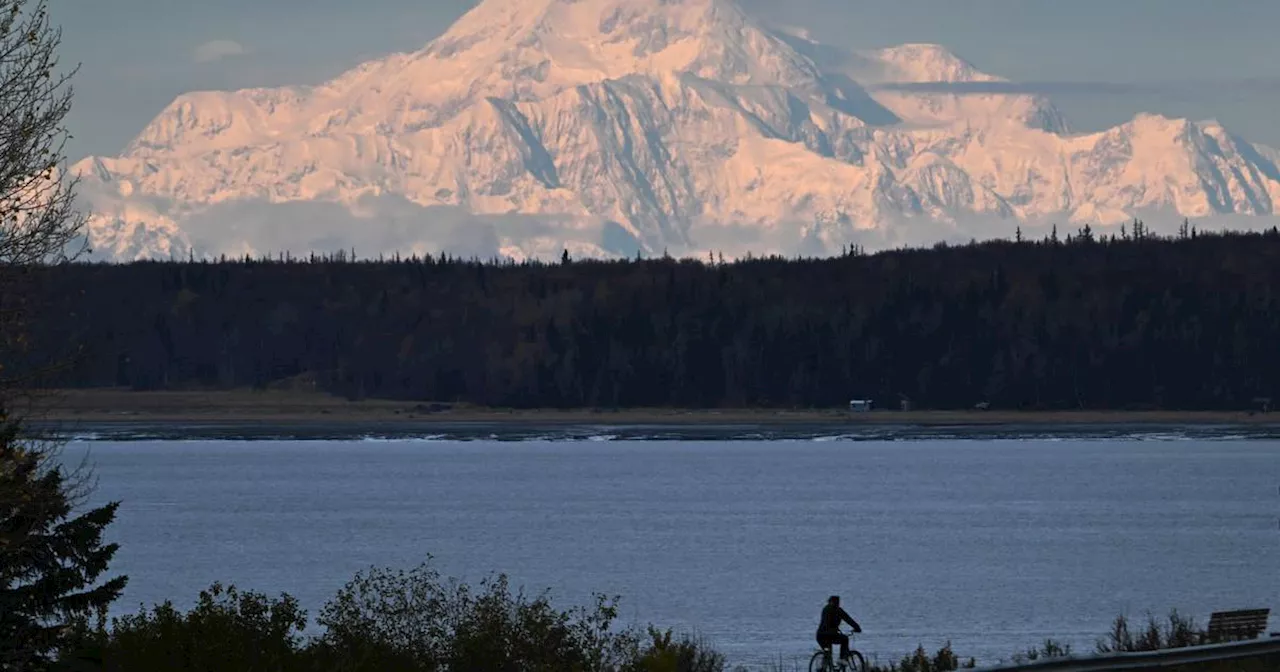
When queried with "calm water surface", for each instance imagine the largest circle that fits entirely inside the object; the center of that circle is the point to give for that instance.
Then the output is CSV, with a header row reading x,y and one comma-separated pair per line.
x,y
993,545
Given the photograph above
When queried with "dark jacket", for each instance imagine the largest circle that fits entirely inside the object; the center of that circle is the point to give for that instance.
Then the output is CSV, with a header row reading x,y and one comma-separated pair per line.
x,y
831,619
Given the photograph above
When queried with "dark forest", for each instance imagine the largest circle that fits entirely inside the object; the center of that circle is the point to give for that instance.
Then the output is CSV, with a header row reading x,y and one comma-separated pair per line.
x,y
1128,322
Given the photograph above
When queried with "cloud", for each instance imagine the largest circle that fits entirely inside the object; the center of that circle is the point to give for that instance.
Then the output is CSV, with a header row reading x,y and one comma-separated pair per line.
x,y
388,224
987,88
385,225
1262,85
786,238
216,50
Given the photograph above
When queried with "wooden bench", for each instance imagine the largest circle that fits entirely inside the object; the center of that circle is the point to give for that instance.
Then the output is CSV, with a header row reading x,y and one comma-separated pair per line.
x,y
1236,626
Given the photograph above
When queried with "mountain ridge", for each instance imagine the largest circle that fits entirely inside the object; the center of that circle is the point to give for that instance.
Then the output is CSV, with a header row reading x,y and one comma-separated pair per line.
x,y
622,126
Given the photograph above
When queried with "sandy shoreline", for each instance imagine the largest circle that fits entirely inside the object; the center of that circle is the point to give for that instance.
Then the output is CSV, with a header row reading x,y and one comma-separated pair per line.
x,y
111,406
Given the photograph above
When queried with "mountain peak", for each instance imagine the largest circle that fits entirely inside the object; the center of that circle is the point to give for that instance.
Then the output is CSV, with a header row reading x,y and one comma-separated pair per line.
x,y
570,42
527,13
530,50
924,62
646,26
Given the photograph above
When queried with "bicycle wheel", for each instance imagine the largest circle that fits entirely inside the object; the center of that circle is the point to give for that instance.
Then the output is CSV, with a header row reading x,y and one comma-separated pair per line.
x,y
856,662
819,663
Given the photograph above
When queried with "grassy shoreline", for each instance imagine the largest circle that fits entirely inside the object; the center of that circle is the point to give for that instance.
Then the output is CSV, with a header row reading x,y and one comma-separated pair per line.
x,y
122,405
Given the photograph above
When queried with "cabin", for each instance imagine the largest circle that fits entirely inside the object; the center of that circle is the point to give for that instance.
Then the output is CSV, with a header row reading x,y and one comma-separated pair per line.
x,y
859,405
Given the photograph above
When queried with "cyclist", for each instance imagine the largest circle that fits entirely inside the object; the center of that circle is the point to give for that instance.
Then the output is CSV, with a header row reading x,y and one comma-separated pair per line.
x,y
829,627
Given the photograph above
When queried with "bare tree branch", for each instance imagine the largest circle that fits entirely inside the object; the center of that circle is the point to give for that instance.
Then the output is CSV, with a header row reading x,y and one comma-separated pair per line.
x,y
39,225
38,220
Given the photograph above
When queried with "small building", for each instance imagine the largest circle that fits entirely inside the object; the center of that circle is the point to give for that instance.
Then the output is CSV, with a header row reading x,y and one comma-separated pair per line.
x,y
860,405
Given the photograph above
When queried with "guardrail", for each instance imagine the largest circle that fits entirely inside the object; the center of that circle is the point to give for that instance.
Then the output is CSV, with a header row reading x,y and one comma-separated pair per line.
x,y
1149,659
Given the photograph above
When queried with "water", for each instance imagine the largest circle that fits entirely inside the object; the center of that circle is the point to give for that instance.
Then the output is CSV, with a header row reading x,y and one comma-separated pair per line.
x,y
993,545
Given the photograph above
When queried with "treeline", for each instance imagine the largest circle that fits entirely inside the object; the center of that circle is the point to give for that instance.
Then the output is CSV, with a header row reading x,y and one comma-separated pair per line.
x,y
1132,322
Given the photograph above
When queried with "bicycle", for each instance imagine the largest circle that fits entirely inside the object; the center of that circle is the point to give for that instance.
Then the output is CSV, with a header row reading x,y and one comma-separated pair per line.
x,y
822,661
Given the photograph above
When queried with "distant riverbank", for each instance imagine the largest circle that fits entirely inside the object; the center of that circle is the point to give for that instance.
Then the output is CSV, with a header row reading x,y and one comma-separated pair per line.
x,y
98,406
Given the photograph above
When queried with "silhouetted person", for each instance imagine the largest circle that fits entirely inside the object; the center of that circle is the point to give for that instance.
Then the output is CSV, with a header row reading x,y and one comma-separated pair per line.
x,y
829,627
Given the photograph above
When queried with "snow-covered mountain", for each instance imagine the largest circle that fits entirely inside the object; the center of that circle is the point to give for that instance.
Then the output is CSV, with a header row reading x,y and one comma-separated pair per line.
x,y
610,126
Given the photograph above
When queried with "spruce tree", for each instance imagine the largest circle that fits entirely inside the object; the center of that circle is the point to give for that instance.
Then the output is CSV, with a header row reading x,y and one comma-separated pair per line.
x,y
49,560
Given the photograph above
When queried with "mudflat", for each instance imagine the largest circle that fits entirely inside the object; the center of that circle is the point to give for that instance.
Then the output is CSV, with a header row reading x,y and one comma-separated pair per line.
x,y
108,405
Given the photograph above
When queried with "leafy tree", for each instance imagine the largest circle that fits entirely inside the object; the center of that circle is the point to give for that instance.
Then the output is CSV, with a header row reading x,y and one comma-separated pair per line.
x,y
414,616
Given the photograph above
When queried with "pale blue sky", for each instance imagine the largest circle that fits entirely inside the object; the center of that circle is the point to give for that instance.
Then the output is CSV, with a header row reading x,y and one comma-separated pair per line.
x,y
1196,58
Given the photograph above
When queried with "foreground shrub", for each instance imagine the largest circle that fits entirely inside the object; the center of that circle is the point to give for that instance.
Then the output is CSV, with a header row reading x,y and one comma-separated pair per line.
x,y
1050,649
226,630
384,621
944,660
1176,632
686,654
397,621
416,617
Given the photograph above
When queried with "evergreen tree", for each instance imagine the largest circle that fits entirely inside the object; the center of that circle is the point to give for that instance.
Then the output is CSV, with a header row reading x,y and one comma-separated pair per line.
x,y
49,560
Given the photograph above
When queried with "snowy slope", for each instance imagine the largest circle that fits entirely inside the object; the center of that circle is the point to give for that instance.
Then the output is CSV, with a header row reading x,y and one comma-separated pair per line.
x,y
608,126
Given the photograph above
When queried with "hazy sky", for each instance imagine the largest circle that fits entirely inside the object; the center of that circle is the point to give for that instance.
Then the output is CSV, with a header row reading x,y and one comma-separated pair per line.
x,y
1100,60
